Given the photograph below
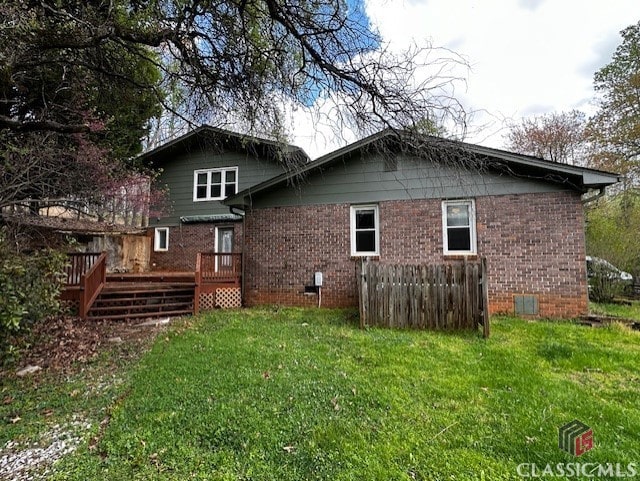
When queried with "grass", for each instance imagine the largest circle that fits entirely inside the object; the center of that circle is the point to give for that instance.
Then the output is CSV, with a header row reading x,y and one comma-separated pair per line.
x,y
629,310
304,394
64,404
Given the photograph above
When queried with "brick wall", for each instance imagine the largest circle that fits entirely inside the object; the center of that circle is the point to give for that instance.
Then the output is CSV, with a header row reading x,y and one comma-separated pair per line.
x,y
534,244
186,241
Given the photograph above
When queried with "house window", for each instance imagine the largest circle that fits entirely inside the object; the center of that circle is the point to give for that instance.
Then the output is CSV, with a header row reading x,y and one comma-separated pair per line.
x,y
459,227
214,184
161,239
365,231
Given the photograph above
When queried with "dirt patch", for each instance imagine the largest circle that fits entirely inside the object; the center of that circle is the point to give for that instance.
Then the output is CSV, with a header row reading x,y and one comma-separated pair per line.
x,y
66,343
596,320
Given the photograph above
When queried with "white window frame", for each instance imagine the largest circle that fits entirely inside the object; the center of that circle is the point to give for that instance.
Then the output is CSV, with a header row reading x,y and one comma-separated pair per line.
x,y
472,227
354,210
223,172
156,239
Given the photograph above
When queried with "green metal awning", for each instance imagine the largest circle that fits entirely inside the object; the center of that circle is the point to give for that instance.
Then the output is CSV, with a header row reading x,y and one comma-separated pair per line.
x,y
192,219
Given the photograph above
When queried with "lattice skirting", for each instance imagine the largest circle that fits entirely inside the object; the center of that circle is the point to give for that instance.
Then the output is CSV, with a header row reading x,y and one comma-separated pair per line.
x,y
71,307
208,301
229,297
225,298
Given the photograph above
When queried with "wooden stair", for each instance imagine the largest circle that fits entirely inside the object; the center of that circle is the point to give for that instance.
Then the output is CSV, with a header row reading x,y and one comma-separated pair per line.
x,y
143,300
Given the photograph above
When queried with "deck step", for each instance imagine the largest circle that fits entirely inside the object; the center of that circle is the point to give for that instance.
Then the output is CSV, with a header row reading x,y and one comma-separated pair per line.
x,y
137,293
142,299
151,287
141,307
141,315
124,300
164,278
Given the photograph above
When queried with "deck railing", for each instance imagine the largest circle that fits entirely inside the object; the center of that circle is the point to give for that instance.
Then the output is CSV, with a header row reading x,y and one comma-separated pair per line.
x,y
86,274
215,269
79,264
91,284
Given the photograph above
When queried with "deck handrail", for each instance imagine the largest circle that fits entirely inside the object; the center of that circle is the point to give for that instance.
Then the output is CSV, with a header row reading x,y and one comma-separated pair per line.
x,y
91,284
215,267
79,263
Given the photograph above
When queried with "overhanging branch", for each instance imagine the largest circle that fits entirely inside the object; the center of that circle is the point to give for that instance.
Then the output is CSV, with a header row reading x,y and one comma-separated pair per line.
x,y
42,126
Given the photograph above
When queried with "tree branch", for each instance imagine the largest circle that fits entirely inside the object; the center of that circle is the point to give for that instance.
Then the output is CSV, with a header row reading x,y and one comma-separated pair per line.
x,y
42,126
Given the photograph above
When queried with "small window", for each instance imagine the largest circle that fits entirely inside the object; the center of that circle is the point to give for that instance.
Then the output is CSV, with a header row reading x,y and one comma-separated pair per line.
x,y
365,235
459,227
214,184
161,239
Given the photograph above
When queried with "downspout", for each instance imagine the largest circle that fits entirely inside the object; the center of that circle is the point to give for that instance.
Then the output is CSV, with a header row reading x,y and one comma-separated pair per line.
x,y
595,197
236,211
601,192
241,212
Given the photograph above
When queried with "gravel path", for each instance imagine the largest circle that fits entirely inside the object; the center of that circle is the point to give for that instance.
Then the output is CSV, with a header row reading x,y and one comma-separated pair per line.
x,y
34,462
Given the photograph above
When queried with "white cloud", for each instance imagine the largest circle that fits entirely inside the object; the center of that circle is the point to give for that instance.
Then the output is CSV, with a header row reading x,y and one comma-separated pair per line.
x,y
527,57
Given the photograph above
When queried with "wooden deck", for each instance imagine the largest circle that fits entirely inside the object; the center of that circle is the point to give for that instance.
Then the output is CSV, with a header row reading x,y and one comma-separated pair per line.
x,y
161,277
213,272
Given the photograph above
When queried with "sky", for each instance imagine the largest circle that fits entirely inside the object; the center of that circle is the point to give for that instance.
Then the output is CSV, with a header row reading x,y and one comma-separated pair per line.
x,y
525,57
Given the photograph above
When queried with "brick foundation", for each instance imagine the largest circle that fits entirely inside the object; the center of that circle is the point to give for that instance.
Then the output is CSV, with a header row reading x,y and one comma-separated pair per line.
x,y
186,241
534,244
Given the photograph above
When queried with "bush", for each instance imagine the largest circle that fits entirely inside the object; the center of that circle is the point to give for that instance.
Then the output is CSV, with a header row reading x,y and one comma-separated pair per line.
x,y
30,287
604,285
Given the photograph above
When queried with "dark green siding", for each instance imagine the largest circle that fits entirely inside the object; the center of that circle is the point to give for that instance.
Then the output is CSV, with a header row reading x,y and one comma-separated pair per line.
x,y
365,179
177,176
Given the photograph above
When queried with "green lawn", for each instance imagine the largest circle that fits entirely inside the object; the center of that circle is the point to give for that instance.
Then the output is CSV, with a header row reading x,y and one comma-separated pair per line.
x,y
305,394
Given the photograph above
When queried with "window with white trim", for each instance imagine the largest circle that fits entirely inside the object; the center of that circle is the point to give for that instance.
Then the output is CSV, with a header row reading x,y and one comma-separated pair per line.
x,y
214,184
161,239
365,230
459,227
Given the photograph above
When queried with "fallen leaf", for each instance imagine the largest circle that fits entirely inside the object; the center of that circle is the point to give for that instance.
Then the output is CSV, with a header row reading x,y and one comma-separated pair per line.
x,y
266,375
7,400
289,449
47,412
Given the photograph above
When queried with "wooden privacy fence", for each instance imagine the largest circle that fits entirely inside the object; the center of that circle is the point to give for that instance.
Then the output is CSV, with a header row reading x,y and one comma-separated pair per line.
x,y
449,296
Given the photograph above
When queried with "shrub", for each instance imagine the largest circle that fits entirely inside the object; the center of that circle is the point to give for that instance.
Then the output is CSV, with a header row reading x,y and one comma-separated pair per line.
x,y
29,289
604,285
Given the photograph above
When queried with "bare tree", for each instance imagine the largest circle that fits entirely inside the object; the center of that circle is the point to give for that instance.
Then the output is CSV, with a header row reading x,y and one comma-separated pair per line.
x,y
81,82
234,61
559,137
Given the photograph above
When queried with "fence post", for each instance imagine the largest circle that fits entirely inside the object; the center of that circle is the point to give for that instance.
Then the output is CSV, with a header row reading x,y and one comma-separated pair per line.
x,y
364,298
485,297
198,281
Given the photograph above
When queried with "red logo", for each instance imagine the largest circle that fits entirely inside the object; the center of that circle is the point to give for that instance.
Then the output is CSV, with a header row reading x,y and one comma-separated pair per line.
x,y
575,438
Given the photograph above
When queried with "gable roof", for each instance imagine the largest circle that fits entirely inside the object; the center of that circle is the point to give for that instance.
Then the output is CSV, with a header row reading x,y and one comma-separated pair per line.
x,y
207,135
578,178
